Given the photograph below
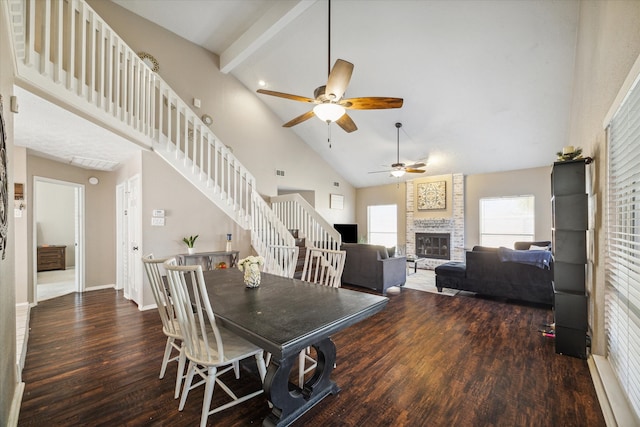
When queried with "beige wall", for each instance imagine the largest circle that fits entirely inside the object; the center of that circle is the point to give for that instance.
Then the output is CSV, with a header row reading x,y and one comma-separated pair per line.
x,y
187,212
608,46
8,380
240,118
21,228
382,195
535,181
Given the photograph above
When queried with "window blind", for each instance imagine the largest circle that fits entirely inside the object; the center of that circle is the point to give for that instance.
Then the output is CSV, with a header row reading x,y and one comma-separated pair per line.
x,y
622,276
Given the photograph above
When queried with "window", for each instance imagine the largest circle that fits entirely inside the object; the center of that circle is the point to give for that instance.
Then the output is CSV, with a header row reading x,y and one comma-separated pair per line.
x,y
506,220
622,269
382,224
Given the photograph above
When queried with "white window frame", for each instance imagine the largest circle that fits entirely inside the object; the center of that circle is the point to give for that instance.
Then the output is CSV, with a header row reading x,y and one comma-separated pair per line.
x,y
488,237
622,269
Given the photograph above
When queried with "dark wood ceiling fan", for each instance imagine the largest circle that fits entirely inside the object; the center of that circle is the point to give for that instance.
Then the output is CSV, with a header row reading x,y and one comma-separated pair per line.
x,y
330,104
399,169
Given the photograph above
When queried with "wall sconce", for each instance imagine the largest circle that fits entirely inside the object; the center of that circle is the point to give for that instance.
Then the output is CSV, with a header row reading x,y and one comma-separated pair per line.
x,y
93,180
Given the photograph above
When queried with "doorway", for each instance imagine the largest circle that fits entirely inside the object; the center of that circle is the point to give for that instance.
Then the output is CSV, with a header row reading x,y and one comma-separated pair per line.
x,y
58,230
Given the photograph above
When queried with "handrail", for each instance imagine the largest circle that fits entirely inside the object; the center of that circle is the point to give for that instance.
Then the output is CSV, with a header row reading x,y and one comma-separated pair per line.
x,y
297,214
65,49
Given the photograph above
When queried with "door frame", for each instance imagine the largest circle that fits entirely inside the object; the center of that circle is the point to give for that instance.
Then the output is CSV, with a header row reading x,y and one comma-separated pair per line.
x,y
79,216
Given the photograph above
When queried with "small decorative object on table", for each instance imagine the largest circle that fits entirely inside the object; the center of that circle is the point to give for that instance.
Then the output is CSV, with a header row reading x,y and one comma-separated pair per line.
x,y
229,243
251,268
190,241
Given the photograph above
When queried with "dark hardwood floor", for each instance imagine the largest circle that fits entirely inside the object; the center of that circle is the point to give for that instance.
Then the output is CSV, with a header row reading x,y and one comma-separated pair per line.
x,y
93,360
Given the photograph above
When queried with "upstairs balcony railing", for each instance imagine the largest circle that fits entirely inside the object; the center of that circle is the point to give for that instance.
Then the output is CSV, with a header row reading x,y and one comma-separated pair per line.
x,y
64,48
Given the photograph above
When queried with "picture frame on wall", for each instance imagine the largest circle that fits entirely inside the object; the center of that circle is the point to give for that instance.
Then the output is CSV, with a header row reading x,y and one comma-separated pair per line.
x,y
432,196
336,201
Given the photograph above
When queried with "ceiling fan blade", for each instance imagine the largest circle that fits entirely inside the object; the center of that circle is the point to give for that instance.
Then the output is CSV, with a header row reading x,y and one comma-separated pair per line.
x,y
416,165
408,170
387,171
301,118
286,95
339,78
346,123
371,103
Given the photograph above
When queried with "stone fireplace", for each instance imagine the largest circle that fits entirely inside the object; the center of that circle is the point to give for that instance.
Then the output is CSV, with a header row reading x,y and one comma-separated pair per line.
x,y
426,236
433,245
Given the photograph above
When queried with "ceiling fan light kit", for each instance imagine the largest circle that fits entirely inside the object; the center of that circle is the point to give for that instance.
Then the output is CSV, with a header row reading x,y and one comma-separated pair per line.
x,y
399,169
329,112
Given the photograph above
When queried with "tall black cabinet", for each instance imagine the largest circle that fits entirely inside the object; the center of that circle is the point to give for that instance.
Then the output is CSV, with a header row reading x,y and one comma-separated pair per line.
x,y
570,224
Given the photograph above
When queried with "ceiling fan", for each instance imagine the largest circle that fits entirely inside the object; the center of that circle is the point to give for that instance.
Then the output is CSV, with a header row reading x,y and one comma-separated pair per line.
x,y
399,169
330,104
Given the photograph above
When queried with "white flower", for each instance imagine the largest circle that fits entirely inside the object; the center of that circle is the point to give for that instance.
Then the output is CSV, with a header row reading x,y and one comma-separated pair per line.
x,y
252,262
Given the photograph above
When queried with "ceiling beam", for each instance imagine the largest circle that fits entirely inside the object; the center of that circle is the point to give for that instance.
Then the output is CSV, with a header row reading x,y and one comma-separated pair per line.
x,y
276,18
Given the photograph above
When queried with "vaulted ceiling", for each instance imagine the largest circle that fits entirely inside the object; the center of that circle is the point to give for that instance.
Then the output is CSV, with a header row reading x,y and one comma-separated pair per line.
x,y
487,85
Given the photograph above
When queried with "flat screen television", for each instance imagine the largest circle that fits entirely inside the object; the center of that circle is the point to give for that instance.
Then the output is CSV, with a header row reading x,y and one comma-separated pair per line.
x,y
348,232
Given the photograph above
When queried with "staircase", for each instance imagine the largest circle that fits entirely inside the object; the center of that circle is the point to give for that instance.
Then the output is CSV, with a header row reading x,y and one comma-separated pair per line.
x,y
64,49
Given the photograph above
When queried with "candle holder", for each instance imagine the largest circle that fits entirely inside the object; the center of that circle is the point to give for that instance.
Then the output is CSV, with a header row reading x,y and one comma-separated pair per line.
x,y
229,249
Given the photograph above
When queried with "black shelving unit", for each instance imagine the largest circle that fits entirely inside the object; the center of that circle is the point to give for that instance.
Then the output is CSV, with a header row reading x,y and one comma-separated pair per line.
x,y
570,223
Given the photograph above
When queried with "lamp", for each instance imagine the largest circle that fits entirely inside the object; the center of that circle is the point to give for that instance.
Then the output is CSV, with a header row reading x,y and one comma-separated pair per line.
x,y
398,173
328,112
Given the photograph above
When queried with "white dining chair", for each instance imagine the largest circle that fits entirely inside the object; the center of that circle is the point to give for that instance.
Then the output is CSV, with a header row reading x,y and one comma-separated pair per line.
x,y
281,260
211,349
324,267
170,326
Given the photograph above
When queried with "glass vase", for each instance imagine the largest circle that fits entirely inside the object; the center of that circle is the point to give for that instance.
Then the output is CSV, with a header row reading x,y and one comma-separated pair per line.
x,y
252,277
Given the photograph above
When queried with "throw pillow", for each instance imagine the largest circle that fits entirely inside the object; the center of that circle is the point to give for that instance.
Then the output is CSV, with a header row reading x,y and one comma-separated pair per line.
x,y
539,248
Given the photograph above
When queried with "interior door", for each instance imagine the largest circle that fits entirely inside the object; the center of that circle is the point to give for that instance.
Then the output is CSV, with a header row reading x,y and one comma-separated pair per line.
x,y
134,240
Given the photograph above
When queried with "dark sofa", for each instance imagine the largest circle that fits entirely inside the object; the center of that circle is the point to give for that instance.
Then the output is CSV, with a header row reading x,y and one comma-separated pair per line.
x,y
370,266
485,273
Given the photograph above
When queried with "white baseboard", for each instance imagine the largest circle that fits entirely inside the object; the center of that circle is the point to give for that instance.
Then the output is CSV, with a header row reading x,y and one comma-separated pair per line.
x,y
14,412
97,288
615,407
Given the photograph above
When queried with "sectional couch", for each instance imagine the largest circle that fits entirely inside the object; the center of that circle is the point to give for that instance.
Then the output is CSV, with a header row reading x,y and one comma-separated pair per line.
x,y
485,273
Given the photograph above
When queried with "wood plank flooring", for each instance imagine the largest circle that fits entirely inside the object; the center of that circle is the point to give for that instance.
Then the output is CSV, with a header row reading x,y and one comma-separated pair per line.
x,y
93,359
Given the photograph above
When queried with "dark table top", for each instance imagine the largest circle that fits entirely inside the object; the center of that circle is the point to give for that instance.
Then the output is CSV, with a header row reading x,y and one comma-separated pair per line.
x,y
284,316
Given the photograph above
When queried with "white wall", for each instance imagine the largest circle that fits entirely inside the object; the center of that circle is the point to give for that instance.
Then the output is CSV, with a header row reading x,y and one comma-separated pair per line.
x,y
55,217
9,387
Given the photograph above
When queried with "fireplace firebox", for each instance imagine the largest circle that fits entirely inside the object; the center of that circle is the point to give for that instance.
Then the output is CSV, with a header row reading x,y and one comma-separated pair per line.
x,y
433,245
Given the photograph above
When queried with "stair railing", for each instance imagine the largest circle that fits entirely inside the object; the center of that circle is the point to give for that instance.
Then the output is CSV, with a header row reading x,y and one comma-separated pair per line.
x,y
64,49
297,214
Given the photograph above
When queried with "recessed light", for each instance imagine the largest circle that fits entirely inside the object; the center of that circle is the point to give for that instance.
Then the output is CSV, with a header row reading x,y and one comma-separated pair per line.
x,y
262,83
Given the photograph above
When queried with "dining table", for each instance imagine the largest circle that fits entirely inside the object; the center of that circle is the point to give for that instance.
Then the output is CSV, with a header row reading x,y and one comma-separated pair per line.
x,y
284,316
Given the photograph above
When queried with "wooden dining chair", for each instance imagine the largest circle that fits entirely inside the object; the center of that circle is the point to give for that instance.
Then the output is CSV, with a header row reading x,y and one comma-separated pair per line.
x,y
324,267
211,349
281,260
170,326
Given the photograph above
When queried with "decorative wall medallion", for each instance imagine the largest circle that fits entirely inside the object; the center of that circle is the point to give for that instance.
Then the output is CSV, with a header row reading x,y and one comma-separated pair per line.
x,y
149,61
207,120
432,195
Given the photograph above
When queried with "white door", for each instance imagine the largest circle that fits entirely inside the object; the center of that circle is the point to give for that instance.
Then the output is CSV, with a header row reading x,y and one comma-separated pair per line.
x,y
122,254
134,240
